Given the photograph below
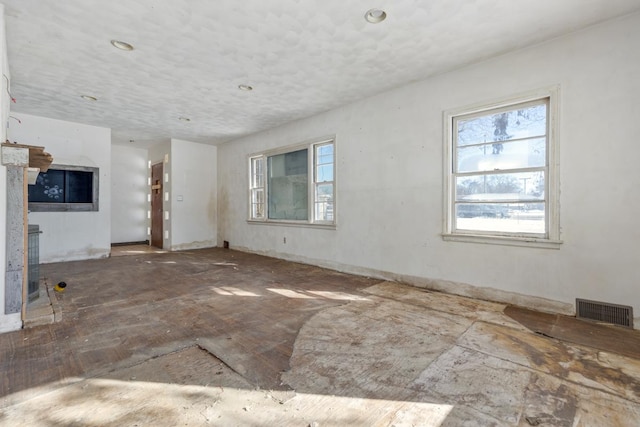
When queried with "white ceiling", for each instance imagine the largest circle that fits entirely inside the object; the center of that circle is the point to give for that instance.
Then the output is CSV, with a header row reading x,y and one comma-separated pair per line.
x,y
302,57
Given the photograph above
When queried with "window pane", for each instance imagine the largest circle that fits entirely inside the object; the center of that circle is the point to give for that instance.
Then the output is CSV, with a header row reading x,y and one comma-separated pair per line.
x,y
501,187
516,218
257,203
257,172
324,192
324,211
49,187
324,202
503,155
79,187
324,189
288,186
487,210
324,173
517,123
324,154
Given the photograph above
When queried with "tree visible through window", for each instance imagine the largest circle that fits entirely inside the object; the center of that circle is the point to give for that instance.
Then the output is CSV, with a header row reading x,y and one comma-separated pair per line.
x,y
499,175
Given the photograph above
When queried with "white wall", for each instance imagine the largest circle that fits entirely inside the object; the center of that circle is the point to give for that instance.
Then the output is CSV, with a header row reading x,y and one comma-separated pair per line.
x,y
70,236
190,214
129,191
10,322
390,179
193,196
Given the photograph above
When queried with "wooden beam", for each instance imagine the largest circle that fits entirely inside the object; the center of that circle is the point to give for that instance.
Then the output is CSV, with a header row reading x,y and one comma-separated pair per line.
x,y
38,158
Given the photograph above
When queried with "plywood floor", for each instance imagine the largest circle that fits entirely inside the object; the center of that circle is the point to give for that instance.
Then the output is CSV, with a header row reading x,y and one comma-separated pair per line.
x,y
219,337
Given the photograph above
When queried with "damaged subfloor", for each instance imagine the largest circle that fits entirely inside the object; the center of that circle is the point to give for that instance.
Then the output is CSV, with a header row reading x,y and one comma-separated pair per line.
x,y
224,338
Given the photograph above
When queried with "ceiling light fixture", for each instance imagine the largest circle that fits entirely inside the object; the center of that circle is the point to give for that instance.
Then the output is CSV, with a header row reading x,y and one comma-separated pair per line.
x,y
121,45
246,88
88,98
375,16
184,119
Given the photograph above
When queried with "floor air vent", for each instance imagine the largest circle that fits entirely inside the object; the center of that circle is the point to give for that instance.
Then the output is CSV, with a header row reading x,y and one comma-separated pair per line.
x,y
604,312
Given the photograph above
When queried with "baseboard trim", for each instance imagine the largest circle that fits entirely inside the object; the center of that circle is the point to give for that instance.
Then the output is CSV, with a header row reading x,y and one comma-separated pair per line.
x,y
142,242
438,285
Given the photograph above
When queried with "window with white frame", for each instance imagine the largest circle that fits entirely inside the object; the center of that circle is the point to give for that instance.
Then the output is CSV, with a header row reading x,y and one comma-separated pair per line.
x,y
501,173
257,188
295,185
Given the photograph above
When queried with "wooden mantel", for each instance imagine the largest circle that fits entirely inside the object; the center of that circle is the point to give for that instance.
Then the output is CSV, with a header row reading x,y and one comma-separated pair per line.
x,y
38,158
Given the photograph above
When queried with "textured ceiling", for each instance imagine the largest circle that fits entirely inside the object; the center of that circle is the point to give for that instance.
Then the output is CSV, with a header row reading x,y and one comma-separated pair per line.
x,y
302,57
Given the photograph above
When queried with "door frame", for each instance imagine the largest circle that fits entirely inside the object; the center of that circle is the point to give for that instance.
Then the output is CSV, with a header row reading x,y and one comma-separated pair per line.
x,y
156,235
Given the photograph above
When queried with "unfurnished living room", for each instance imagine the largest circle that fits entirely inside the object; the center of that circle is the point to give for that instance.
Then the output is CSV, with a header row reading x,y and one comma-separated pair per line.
x,y
305,213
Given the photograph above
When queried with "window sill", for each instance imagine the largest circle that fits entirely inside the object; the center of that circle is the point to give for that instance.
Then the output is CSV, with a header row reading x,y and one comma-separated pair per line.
x,y
532,242
62,207
324,226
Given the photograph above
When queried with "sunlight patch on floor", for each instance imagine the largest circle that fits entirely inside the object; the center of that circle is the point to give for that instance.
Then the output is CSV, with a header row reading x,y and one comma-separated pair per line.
x,y
231,291
342,296
289,293
109,402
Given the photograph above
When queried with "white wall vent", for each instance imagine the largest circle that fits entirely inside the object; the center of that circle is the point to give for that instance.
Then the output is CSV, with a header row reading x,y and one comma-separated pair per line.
x,y
615,314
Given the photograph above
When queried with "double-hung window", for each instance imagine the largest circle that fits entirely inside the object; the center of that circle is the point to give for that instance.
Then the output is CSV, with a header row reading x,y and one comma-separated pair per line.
x,y
258,208
294,185
501,172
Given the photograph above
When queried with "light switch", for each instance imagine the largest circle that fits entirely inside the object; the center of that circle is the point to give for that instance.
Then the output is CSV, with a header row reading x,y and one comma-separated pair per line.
x,y
180,198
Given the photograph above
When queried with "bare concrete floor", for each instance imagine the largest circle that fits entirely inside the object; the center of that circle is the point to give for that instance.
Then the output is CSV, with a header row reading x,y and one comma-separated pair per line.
x,y
218,337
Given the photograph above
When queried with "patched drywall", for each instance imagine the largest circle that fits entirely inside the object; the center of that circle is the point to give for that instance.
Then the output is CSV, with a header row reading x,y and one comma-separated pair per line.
x,y
389,196
129,189
70,236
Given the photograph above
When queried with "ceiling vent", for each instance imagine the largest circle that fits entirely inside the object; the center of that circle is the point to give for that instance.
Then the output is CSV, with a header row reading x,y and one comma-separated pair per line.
x,y
615,314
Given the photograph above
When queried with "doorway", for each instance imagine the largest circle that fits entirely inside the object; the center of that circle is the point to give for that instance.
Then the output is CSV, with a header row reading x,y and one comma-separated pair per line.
x,y
156,205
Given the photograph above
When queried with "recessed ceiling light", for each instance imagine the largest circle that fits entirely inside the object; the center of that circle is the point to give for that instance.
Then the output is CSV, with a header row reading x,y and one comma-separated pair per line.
x,y
375,16
121,45
184,119
246,88
88,98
